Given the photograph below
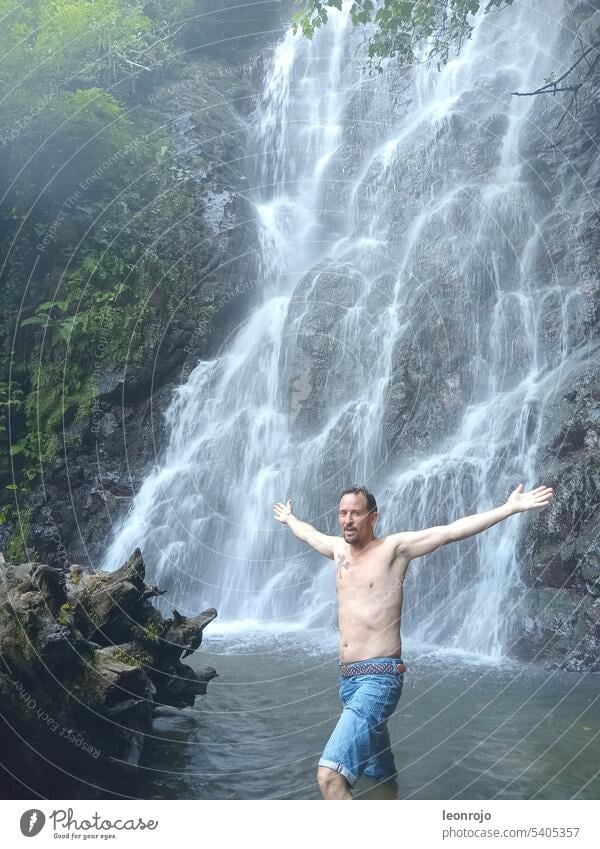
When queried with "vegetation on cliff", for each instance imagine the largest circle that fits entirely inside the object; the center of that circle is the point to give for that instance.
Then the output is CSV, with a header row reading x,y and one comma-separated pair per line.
x,y
402,28
91,218
435,30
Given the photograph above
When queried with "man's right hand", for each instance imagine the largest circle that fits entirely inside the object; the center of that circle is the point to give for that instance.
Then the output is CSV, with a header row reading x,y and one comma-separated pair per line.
x,y
320,542
282,512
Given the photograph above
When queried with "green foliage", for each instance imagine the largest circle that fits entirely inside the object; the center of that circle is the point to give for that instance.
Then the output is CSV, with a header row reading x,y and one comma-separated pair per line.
x,y
149,633
141,659
403,28
65,614
60,392
78,43
15,547
8,403
91,216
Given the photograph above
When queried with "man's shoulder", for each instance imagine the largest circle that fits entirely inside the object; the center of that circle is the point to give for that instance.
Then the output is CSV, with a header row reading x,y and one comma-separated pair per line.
x,y
392,540
338,544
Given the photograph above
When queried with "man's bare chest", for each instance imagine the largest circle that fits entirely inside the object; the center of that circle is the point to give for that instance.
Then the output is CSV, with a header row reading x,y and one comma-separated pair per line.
x,y
364,576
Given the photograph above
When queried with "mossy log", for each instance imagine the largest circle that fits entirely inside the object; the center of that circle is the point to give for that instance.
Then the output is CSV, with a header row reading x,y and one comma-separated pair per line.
x,y
86,657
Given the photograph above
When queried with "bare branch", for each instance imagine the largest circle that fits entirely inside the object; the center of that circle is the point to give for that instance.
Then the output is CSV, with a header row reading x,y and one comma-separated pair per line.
x,y
546,90
553,87
171,34
130,62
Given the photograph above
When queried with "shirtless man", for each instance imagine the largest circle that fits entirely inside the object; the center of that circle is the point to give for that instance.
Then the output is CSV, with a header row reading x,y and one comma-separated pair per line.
x,y
370,572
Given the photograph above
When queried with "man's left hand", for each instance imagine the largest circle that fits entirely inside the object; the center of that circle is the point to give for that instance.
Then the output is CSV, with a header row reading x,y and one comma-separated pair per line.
x,y
521,501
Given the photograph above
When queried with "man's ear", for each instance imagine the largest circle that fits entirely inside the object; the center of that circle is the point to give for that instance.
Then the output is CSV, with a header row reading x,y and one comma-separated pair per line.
x,y
373,518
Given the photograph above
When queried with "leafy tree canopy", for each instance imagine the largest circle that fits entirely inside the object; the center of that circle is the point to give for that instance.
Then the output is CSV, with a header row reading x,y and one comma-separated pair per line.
x,y
403,28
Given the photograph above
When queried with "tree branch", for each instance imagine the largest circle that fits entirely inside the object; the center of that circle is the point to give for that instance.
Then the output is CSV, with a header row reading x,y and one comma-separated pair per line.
x,y
546,90
553,87
130,62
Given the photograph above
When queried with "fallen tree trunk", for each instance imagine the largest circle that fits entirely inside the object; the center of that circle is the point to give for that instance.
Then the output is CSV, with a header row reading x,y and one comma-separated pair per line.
x,y
85,658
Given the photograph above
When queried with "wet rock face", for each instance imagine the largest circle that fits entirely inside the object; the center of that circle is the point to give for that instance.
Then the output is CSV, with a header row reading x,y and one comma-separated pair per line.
x,y
234,31
86,659
205,112
559,629
317,342
90,485
559,614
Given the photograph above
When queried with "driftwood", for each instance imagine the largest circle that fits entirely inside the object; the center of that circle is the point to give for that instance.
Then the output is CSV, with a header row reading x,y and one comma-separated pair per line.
x,y
85,659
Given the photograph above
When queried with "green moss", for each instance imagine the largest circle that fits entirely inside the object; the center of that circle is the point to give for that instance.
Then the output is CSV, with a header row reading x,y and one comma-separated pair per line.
x,y
65,614
151,633
140,659
148,633
125,658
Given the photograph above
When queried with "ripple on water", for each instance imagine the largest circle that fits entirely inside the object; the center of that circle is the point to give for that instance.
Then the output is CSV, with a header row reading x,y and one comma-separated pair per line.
x,y
463,728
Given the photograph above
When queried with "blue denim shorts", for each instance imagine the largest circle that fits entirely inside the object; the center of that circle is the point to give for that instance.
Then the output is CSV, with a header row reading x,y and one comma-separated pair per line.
x,y
360,743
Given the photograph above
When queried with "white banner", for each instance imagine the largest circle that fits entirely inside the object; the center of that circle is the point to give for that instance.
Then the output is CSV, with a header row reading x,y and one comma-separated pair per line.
x,y
510,823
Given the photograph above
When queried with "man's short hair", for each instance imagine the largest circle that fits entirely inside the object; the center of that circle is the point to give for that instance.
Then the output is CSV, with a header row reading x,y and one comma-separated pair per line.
x,y
358,490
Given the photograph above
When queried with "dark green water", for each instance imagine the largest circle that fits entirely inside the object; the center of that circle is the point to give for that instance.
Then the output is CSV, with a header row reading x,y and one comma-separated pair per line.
x,y
462,730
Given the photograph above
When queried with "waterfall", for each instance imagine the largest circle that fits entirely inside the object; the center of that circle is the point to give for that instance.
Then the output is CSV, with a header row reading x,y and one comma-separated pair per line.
x,y
397,339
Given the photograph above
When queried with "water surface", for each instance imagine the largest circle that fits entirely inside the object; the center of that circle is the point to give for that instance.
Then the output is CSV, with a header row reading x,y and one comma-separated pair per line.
x,y
462,730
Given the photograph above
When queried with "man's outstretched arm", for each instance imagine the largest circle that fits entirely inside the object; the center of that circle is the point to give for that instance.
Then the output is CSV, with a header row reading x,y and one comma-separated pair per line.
x,y
321,542
417,543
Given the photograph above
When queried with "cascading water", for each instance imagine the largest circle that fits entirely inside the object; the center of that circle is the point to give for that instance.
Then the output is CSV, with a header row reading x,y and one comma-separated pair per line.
x,y
396,342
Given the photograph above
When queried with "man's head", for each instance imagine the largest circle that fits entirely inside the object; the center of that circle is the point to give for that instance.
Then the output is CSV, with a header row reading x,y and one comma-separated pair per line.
x,y
357,515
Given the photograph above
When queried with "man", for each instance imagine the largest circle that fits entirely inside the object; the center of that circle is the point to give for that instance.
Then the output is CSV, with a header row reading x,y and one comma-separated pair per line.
x,y
370,572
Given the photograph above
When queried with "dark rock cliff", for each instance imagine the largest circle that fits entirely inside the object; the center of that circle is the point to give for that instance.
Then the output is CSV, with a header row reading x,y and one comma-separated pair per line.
x,y
92,481
559,617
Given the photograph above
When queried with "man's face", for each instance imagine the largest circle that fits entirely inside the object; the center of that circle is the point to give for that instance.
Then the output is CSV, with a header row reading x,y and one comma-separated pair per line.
x,y
355,522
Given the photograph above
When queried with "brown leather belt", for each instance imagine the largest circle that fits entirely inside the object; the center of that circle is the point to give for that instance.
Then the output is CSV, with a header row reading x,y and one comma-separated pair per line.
x,y
367,667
